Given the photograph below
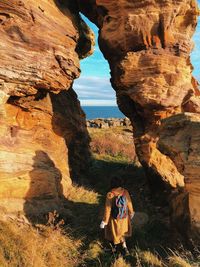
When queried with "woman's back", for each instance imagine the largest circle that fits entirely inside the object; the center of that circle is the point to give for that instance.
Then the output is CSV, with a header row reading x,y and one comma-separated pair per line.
x,y
117,228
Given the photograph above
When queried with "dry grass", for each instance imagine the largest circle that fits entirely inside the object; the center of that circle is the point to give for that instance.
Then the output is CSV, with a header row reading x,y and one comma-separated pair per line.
x,y
177,261
25,246
113,142
120,262
94,250
150,259
22,245
83,195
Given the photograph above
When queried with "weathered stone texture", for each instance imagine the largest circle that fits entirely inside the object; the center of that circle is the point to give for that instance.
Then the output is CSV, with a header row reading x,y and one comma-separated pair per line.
x,y
180,140
36,160
147,44
38,46
43,136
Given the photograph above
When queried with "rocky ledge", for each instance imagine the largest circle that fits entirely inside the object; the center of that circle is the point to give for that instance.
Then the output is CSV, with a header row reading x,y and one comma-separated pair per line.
x,y
108,123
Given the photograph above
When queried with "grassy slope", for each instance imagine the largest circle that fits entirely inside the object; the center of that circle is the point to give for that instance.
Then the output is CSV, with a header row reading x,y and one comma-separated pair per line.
x,y
22,245
80,242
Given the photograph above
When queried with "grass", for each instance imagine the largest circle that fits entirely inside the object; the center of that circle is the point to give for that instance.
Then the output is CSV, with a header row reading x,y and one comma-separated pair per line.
x,y
83,195
27,246
177,261
150,259
80,242
120,262
117,143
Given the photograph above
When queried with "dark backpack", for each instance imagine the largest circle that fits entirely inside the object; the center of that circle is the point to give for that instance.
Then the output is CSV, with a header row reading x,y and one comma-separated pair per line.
x,y
119,208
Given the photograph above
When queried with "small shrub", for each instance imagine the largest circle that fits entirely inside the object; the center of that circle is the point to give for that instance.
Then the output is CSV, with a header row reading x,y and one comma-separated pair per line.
x,y
112,144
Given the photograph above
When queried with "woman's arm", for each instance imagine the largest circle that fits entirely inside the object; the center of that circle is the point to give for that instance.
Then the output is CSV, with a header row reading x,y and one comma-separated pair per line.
x,y
130,205
108,206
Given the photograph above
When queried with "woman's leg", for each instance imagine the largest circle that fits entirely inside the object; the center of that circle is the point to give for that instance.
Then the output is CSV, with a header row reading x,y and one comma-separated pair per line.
x,y
124,244
125,249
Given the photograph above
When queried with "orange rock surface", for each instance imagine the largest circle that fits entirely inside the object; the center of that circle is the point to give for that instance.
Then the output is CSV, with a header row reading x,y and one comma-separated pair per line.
x,y
44,141
180,139
36,158
43,136
38,46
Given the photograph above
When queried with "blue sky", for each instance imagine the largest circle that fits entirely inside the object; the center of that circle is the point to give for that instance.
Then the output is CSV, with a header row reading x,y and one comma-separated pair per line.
x,y
93,87
195,56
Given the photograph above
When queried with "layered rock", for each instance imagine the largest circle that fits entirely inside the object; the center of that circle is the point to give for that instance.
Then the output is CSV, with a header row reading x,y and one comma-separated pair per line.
x,y
180,139
148,45
43,136
38,46
44,146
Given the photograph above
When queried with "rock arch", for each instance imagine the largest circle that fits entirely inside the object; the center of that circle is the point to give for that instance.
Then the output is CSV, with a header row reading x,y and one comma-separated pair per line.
x,y
147,44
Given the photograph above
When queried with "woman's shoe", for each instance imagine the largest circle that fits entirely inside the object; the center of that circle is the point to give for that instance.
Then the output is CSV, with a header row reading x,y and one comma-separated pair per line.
x,y
126,252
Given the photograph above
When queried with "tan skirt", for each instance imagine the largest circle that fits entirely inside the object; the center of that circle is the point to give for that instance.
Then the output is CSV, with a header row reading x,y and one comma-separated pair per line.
x,y
118,229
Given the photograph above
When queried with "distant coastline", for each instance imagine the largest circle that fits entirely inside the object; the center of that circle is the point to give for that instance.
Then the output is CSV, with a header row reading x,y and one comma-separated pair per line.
x,y
94,112
108,123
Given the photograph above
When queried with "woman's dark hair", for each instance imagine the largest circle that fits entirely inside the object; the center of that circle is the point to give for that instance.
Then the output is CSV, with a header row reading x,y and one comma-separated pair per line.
x,y
116,182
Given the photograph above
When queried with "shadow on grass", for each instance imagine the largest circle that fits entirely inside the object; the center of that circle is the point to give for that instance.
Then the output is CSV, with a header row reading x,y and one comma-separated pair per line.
x,y
102,170
83,217
152,237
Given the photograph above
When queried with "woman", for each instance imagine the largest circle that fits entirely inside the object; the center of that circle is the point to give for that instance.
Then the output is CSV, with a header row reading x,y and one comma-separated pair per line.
x,y
118,226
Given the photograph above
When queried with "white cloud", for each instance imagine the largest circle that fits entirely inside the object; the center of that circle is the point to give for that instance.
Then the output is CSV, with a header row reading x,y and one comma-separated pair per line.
x,y
94,88
93,102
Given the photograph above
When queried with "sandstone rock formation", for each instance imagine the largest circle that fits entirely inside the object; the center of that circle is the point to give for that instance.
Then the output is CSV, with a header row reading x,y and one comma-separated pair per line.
x,y
180,139
43,136
148,45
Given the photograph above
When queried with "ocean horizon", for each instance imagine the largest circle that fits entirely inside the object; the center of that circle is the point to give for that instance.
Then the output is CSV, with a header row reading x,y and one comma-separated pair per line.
x,y
94,112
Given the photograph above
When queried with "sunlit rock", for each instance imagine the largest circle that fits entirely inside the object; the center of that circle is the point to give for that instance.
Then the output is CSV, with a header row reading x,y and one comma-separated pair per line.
x,y
43,136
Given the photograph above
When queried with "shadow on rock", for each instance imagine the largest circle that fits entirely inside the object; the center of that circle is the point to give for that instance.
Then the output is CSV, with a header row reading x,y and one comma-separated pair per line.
x,y
45,192
69,122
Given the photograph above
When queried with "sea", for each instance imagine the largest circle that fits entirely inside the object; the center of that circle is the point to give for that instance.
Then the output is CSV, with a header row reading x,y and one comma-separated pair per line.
x,y
94,112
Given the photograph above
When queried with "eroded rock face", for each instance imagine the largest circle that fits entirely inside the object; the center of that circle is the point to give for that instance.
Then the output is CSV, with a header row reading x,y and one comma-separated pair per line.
x,y
38,46
179,139
43,136
148,45
43,147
